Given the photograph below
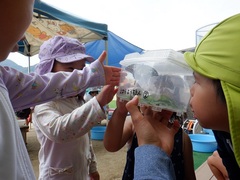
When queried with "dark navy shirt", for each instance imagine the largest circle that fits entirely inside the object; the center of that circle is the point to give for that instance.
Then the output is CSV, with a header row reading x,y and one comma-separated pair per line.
x,y
226,153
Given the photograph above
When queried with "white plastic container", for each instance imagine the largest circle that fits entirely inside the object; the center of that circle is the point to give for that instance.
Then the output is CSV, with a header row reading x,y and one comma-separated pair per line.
x,y
161,78
22,122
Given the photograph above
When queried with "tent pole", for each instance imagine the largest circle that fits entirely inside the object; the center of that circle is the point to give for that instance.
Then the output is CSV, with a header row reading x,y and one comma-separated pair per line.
x,y
28,53
29,64
106,48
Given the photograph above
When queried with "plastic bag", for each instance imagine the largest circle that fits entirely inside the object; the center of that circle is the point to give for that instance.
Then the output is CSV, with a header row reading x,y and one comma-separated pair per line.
x,y
161,78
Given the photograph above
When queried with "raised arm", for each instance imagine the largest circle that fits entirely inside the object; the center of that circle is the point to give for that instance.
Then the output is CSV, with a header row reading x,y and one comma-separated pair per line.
x,y
59,125
188,158
28,90
119,129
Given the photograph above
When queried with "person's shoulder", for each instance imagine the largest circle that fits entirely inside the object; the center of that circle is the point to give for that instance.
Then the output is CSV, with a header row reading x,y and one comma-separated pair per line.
x,y
221,134
185,136
40,106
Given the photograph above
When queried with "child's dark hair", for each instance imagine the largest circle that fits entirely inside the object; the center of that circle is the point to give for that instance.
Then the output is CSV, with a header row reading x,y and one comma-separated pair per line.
x,y
23,114
93,92
219,90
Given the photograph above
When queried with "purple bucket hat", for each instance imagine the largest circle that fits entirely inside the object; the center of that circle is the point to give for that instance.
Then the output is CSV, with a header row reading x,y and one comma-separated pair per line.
x,y
62,49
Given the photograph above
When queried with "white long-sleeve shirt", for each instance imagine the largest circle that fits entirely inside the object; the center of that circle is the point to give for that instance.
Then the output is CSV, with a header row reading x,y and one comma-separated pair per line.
x,y
62,128
19,91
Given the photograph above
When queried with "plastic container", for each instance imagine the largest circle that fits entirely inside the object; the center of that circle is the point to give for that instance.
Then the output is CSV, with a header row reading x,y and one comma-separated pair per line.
x,y
161,78
97,132
22,123
203,142
110,112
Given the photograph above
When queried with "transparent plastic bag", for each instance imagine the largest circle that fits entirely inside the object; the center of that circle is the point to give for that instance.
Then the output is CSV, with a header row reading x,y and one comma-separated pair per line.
x,y
161,79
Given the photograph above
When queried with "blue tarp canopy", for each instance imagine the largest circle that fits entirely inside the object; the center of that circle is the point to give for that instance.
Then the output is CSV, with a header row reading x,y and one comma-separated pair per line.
x,y
115,46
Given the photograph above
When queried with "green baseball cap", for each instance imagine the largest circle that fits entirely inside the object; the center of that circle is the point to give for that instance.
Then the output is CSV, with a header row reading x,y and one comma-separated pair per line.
x,y
218,57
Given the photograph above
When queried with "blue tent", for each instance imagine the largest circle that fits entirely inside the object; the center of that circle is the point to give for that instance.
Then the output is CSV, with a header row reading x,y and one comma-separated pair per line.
x,y
115,46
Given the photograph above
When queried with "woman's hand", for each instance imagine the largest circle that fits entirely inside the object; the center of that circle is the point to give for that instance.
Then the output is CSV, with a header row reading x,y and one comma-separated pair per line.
x,y
152,127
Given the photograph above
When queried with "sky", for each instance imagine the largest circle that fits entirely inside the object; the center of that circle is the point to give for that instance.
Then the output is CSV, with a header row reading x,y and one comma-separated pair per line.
x,y
148,24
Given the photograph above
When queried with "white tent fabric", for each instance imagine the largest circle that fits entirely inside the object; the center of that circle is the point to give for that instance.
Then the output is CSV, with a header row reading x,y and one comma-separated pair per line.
x,y
48,21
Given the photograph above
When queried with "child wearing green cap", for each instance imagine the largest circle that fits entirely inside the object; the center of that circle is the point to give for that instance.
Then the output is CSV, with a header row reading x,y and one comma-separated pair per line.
x,y
215,93
214,101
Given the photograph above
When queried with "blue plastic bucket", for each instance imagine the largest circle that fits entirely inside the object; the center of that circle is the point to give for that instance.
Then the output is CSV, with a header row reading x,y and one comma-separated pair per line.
x,y
97,132
208,131
203,142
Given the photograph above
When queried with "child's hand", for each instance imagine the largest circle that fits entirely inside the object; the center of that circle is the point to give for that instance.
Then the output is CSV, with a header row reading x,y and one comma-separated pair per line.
x,y
94,176
112,74
152,127
106,95
121,106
